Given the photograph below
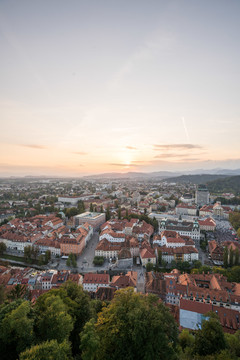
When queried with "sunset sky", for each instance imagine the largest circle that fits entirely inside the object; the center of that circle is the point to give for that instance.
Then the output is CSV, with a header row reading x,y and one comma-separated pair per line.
x,y
113,86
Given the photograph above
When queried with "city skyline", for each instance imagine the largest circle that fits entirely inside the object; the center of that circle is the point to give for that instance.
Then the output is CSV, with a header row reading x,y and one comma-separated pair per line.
x,y
108,86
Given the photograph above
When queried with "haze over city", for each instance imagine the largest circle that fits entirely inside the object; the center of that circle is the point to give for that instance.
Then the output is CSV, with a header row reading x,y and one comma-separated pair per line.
x,y
117,86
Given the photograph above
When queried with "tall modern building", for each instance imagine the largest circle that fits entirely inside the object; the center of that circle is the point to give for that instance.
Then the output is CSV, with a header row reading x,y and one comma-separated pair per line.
x,y
202,195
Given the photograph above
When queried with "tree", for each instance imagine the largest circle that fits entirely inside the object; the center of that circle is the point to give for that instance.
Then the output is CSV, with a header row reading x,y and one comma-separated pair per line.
x,y
53,320
186,339
71,212
3,247
234,274
35,251
237,256
210,339
98,260
101,209
41,259
47,256
28,253
74,262
91,207
160,257
149,266
16,329
108,215
197,264
81,207
231,257
48,350
132,326
2,294
90,341
225,257
119,213
19,291
78,302
233,344
238,233
68,262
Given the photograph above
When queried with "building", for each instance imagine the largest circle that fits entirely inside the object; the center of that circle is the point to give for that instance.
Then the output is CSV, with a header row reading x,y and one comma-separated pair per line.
x,y
217,210
108,249
73,200
147,255
186,209
184,228
123,281
92,218
92,282
207,224
202,195
193,313
183,253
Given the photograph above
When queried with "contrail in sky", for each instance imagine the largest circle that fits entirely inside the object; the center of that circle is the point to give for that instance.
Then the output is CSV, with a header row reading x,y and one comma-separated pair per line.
x,y
185,128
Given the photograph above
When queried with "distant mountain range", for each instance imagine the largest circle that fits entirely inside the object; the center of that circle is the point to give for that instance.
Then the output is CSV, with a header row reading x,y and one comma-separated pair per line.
x,y
195,179
176,176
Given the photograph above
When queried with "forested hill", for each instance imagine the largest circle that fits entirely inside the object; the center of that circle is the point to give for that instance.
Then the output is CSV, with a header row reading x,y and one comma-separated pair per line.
x,y
195,179
228,184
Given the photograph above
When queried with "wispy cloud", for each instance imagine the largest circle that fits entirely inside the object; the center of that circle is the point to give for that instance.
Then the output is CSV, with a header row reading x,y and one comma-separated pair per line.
x,y
34,146
79,152
170,155
131,147
177,146
124,165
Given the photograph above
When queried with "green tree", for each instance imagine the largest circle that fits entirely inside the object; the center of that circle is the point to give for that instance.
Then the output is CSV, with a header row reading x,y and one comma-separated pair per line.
x,y
119,213
2,294
149,266
133,326
210,339
68,262
231,257
79,307
225,257
71,212
108,215
236,257
3,247
197,264
186,340
90,341
53,320
160,257
234,274
49,350
98,260
19,291
91,207
16,329
233,343
41,259
101,209
74,262
238,233
81,207
47,256
28,253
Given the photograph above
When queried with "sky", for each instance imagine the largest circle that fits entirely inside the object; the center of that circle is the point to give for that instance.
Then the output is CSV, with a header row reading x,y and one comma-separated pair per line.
x,y
97,86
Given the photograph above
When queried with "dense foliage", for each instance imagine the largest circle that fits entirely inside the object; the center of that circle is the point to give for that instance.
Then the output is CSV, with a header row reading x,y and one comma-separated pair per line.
x,y
65,324
228,184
